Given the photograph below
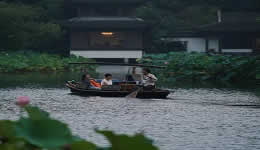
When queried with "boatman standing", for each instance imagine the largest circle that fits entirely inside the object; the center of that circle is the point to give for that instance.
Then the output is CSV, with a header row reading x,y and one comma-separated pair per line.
x,y
148,79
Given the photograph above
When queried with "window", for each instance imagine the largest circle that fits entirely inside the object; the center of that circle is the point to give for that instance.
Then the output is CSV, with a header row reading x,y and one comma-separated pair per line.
x,y
177,45
258,43
239,42
106,40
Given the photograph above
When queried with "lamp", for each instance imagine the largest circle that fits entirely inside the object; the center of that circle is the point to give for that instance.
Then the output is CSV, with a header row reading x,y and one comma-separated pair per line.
x,y
107,33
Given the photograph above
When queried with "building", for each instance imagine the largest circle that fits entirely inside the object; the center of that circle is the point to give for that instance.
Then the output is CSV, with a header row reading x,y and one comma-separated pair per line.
x,y
106,29
235,33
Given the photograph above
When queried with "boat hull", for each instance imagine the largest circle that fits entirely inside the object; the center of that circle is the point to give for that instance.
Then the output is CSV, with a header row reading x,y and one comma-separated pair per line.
x,y
154,94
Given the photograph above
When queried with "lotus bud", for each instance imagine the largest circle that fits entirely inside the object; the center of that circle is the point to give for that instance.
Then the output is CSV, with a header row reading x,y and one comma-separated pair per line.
x,y
22,101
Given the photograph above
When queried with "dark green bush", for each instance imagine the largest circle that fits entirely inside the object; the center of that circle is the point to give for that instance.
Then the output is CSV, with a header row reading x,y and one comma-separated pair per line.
x,y
39,62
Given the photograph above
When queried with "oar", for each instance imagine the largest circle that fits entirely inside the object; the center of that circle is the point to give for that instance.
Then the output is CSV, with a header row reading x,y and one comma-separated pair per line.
x,y
134,94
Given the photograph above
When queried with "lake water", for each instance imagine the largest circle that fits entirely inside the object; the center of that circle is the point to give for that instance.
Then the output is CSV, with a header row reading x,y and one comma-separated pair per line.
x,y
194,117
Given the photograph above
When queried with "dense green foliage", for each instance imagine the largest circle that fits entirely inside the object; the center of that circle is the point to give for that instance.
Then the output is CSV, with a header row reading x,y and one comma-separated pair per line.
x,y
40,132
35,62
201,67
31,26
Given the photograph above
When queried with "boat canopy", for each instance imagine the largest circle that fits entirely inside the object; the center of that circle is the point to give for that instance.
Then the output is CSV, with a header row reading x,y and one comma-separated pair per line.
x,y
118,64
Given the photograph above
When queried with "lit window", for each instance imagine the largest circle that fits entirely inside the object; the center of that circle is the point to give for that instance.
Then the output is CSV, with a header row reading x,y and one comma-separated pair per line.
x,y
106,39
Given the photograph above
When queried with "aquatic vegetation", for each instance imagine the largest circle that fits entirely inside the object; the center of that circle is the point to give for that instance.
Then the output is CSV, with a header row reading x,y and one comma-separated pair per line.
x,y
39,131
202,67
40,62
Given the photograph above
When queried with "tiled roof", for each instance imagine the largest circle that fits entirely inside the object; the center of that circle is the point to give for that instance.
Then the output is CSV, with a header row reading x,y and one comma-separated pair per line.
x,y
106,22
231,27
96,19
109,1
222,27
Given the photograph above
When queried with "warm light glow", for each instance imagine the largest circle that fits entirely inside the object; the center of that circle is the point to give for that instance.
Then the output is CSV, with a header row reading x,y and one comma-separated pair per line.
x,y
107,33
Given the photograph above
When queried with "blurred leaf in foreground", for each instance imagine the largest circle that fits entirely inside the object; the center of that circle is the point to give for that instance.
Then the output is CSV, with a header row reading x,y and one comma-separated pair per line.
x,y
42,131
7,129
35,113
83,145
124,142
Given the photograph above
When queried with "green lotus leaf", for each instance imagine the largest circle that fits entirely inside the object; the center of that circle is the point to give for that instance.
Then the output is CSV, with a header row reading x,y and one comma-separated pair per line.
x,y
35,113
7,129
258,76
83,145
8,147
45,133
124,142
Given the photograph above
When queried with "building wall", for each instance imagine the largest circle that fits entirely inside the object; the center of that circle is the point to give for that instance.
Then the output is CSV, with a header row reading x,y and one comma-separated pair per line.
x,y
237,50
236,16
198,44
80,40
238,43
214,44
134,39
109,54
193,44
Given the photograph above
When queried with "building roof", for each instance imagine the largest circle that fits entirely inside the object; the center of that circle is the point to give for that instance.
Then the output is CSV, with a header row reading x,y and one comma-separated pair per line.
x,y
231,27
108,1
231,21
240,5
240,16
235,21
106,22
217,28
182,32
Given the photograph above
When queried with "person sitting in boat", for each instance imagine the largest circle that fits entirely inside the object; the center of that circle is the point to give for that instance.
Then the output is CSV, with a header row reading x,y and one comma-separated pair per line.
x,y
137,75
85,80
148,79
90,82
107,80
129,78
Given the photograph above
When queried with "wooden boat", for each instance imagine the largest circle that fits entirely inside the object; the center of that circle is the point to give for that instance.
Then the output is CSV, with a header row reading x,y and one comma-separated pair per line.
x,y
117,91
120,89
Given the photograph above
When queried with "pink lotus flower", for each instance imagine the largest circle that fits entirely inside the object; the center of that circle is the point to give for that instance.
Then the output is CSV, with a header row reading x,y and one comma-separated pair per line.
x,y
22,101
166,63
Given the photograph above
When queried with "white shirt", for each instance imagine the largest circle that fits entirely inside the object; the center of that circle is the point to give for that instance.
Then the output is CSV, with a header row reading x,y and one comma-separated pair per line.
x,y
149,79
106,82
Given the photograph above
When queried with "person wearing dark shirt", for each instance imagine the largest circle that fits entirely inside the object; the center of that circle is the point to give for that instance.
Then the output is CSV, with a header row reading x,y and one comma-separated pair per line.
x,y
85,80
90,82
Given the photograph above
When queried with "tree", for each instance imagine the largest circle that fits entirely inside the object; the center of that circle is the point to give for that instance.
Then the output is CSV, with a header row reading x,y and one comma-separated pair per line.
x,y
28,27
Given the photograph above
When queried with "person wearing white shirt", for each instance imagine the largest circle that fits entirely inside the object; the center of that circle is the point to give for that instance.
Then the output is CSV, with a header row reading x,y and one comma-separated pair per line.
x,y
107,80
148,79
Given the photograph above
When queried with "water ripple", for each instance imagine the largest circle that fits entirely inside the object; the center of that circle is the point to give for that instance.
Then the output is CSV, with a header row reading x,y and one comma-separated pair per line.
x,y
190,119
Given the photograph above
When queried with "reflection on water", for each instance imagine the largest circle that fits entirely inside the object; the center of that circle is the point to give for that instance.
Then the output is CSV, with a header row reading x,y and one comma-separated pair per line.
x,y
192,117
